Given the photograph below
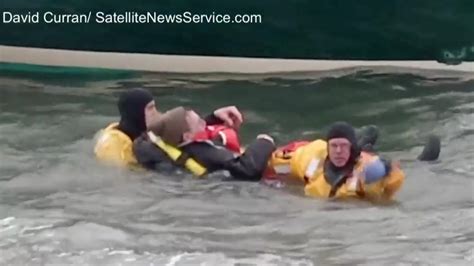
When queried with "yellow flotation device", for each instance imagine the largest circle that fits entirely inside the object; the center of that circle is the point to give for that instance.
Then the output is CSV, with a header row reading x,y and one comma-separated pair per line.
x,y
178,156
114,147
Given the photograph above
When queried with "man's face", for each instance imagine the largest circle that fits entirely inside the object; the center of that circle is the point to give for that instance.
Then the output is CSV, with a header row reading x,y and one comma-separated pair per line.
x,y
195,122
151,114
339,151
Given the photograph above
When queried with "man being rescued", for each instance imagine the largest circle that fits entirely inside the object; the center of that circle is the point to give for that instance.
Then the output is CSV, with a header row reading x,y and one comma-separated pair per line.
x,y
182,137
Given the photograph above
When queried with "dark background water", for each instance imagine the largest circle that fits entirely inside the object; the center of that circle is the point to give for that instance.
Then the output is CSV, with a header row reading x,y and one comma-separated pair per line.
x,y
59,206
324,29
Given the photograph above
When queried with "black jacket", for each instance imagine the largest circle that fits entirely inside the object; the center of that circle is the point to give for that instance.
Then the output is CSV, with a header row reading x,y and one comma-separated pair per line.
x,y
248,166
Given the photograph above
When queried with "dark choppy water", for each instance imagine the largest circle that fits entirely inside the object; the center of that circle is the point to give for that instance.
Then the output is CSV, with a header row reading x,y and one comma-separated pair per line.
x,y
58,206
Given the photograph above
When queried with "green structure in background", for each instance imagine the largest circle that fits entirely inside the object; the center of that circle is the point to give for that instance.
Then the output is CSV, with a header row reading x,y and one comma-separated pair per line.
x,y
438,30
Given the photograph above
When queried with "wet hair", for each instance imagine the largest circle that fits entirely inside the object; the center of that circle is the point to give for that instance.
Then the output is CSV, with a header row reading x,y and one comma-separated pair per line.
x,y
171,126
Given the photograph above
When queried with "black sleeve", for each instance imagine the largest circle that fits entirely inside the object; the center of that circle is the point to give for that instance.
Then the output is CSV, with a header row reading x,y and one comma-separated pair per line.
x,y
211,119
249,166
148,154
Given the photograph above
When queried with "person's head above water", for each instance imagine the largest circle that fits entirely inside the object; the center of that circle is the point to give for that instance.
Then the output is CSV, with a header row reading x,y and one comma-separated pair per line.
x,y
178,125
342,145
137,110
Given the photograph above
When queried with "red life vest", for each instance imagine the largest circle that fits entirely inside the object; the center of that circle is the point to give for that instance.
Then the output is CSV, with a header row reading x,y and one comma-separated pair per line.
x,y
229,136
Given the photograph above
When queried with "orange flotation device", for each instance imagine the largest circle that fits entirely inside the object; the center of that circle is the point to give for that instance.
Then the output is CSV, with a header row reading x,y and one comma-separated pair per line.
x,y
227,135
